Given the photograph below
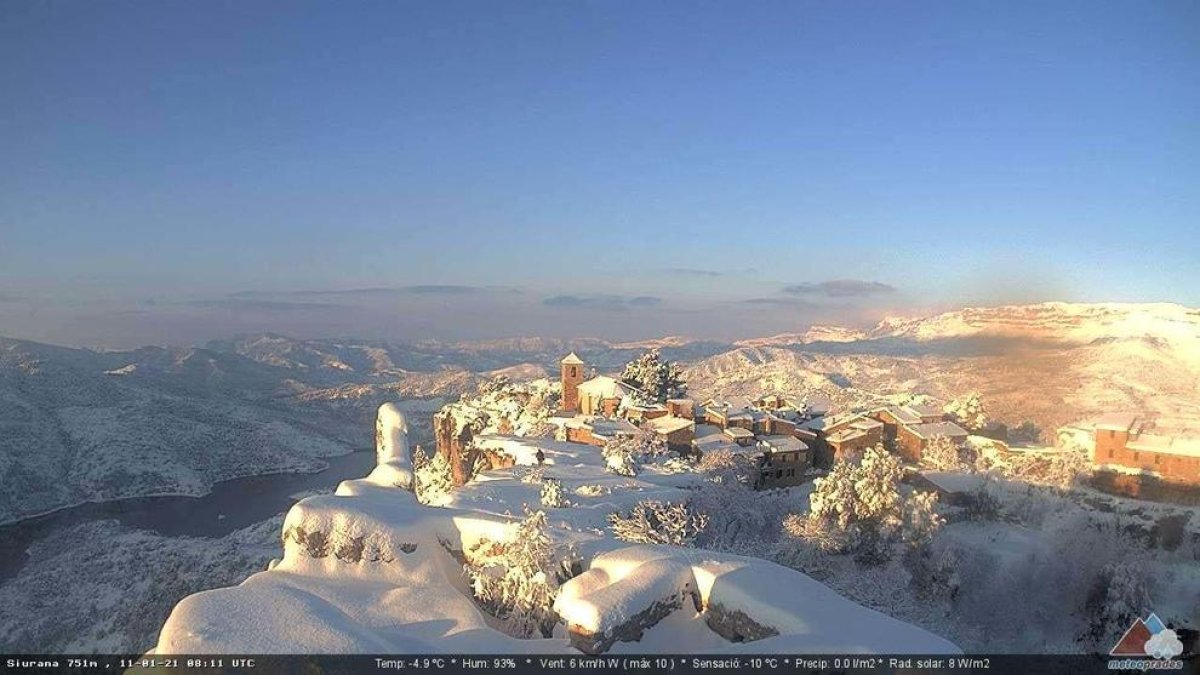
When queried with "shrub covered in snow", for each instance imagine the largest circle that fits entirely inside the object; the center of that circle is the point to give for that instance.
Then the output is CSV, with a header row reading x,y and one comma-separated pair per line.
x,y
501,406
619,457
517,579
553,496
659,380
419,458
434,480
592,490
534,475
741,519
728,468
1119,596
1025,433
655,522
1060,470
968,412
943,454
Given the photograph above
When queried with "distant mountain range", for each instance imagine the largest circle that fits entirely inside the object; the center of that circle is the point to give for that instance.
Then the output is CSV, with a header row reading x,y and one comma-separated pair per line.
x,y
79,425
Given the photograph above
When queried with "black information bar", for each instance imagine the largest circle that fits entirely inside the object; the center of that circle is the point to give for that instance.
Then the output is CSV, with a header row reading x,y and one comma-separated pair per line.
x,y
525,664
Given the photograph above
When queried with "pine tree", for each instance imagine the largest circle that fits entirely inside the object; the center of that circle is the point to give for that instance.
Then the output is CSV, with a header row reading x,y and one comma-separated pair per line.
x,y
553,496
657,379
517,579
968,411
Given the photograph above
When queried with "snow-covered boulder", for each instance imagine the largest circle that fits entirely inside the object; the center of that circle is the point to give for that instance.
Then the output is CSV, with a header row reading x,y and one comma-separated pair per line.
x,y
772,608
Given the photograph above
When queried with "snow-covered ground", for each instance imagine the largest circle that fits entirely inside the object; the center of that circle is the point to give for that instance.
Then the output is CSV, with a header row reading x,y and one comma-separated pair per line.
x,y
101,587
369,569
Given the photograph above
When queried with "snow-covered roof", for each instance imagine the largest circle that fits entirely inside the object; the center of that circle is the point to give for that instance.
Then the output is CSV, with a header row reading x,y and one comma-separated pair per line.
x,y
738,432
1170,445
572,359
783,444
866,424
607,387
847,434
831,421
931,429
954,481
925,410
668,425
1116,421
602,428
713,443
903,414
805,434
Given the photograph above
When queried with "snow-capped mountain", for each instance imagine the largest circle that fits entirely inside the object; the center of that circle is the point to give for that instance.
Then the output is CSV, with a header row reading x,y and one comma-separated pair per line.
x,y
1053,363
812,335
1052,321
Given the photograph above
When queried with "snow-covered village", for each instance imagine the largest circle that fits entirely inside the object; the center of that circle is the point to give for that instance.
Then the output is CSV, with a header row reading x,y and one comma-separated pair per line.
x,y
606,513
553,337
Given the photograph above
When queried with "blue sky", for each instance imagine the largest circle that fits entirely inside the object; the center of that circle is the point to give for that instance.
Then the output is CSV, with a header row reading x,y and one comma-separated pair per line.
x,y
177,171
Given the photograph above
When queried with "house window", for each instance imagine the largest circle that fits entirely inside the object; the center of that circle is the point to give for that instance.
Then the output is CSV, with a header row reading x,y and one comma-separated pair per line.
x,y
1110,453
1158,459
574,371
1136,455
791,472
779,473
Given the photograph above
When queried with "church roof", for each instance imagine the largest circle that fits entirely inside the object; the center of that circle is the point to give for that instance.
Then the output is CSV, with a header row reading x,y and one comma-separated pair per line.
x,y
607,387
572,360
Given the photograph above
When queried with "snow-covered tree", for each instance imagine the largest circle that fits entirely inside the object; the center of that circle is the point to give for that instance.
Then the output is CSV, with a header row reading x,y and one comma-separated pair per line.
x,y
655,522
1119,595
858,508
968,412
983,504
659,380
1026,433
741,519
943,454
619,457
502,406
517,579
435,480
728,468
553,496
1060,470
921,519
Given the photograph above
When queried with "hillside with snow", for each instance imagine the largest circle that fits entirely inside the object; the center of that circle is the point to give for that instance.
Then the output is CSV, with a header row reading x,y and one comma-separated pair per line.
x,y
79,426
1053,364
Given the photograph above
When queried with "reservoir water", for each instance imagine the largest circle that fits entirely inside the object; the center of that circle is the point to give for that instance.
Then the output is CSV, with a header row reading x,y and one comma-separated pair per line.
x,y
232,505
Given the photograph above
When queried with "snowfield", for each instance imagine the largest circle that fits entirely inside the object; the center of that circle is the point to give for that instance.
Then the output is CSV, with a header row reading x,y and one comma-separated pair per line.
x,y
369,569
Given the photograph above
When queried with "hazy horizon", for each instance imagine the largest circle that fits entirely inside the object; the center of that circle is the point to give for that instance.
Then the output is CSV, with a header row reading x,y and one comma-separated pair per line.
x,y
176,173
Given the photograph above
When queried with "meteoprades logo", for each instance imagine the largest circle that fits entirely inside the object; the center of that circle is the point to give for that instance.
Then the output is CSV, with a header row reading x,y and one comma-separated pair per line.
x,y
1147,638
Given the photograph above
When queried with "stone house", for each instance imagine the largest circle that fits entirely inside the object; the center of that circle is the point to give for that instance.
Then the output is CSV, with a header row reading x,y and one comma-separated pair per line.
x,y
1123,441
912,439
678,432
783,463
